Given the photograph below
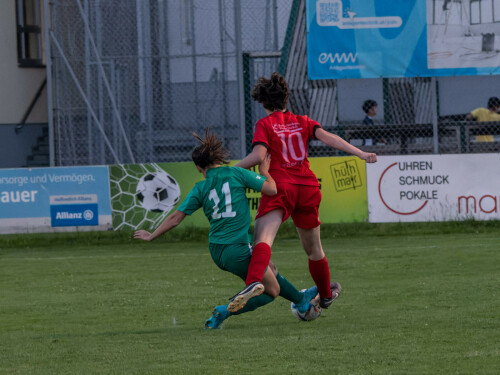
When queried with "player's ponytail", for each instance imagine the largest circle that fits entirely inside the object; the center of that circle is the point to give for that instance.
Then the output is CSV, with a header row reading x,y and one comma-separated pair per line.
x,y
210,150
273,93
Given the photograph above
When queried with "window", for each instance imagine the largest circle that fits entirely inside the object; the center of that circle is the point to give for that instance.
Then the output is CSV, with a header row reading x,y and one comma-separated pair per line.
x,y
475,12
496,11
438,13
29,33
486,11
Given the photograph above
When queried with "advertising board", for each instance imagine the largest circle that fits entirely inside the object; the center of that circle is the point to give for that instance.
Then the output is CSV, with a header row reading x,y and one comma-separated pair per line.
x,y
342,180
54,199
434,188
386,38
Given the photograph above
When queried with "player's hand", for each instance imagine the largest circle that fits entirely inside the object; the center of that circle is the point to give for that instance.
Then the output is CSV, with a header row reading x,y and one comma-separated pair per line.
x,y
369,157
142,235
264,166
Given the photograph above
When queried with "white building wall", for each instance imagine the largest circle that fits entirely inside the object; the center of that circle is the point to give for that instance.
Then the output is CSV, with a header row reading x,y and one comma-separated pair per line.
x,y
18,85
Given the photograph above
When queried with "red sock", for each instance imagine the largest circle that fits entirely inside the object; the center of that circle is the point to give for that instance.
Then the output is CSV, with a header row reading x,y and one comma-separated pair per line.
x,y
320,273
261,255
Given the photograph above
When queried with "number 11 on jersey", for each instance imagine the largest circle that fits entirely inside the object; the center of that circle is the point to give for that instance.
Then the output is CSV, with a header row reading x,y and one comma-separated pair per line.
x,y
229,208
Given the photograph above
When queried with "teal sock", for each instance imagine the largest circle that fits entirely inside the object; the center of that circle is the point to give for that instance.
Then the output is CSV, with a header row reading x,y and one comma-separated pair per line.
x,y
288,290
255,303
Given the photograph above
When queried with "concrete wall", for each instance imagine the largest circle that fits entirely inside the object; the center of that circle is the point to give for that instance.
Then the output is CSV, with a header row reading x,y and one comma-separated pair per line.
x,y
16,146
353,92
462,94
17,85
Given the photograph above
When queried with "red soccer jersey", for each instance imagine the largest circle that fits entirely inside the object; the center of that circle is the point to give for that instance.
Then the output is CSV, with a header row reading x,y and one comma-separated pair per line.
x,y
286,137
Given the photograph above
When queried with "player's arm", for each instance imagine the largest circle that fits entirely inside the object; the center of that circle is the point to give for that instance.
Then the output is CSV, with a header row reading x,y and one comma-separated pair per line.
x,y
269,186
254,158
335,141
170,222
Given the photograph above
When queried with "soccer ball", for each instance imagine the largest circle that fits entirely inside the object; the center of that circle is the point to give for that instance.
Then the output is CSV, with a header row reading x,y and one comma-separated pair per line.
x,y
157,191
312,313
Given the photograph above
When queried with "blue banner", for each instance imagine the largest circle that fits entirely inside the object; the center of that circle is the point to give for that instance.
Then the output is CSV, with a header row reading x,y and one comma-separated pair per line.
x,y
67,215
386,38
40,199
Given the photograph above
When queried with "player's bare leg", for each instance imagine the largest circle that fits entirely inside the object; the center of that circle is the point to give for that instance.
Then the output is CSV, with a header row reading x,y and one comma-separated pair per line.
x,y
311,242
267,226
271,285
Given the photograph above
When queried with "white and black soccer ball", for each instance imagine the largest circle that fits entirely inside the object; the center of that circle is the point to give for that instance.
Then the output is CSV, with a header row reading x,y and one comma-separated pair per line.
x,y
157,191
312,313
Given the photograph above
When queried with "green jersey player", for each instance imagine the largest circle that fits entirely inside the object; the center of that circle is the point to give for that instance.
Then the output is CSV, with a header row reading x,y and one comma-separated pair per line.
x,y
222,195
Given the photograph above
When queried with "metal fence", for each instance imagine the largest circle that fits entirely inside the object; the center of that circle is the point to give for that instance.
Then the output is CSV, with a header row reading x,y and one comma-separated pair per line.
x,y
130,79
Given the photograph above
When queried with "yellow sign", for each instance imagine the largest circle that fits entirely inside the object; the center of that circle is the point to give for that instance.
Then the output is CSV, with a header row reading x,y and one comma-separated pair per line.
x,y
343,187
342,183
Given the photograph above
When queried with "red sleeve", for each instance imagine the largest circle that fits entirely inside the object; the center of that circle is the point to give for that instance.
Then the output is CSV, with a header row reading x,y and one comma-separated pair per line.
x,y
260,135
311,127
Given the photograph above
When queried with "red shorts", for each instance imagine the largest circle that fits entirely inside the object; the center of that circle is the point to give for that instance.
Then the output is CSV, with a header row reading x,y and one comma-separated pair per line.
x,y
301,202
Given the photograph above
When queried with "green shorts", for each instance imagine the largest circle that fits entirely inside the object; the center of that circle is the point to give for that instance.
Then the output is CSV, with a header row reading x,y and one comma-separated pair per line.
x,y
234,258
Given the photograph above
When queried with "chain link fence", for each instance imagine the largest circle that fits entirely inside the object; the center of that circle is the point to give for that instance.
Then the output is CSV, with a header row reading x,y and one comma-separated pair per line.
x,y
131,79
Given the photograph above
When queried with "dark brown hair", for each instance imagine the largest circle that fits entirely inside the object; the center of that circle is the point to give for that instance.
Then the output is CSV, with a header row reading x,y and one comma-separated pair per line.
x,y
210,151
493,102
368,104
272,93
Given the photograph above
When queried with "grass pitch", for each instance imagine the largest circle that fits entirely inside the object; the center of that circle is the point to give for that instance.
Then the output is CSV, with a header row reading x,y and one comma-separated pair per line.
x,y
424,303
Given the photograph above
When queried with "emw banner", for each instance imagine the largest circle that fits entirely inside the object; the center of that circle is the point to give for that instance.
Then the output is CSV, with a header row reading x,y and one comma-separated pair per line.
x,y
386,38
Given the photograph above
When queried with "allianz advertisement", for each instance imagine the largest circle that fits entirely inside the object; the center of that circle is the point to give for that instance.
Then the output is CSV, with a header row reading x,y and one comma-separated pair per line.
x,y
434,188
387,38
54,199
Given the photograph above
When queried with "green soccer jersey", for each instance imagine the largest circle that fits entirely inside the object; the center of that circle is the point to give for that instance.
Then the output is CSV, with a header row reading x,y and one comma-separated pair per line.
x,y
223,198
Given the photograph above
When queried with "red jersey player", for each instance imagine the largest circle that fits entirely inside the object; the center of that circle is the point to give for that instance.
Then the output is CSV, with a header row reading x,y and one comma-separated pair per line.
x,y
285,136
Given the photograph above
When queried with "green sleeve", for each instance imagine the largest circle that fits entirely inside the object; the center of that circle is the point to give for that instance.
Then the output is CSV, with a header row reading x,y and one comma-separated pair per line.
x,y
192,202
251,179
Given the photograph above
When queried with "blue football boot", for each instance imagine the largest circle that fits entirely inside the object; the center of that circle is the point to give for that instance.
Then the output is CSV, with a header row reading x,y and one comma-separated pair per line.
x,y
218,316
308,295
